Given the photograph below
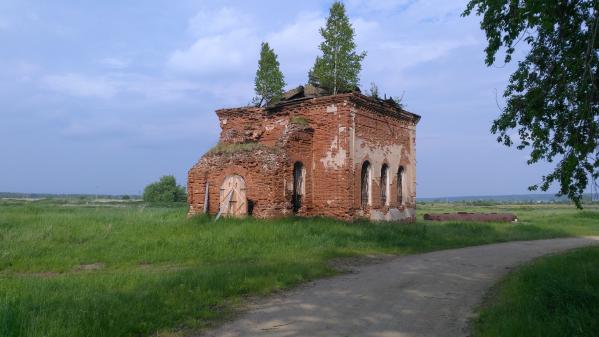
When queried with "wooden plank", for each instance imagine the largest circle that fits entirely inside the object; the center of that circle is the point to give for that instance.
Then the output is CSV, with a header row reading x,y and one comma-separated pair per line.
x,y
206,198
226,203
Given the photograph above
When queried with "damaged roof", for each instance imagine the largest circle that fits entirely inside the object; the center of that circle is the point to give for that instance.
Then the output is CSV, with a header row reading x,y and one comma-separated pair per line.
x,y
308,91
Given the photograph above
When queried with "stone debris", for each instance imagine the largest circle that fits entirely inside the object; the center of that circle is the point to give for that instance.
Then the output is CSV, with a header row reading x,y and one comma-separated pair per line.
x,y
465,216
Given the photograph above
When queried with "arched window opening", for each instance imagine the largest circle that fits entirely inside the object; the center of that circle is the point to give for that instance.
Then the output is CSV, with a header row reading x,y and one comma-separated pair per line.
x,y
365,185
400,183
384,184
298,186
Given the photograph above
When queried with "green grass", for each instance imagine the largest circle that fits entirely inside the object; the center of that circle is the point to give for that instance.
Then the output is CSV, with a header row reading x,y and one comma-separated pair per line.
x,y
223,148
132,269
554,296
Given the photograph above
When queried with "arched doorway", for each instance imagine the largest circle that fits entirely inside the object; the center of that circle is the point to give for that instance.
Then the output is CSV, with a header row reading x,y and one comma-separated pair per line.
x,y
298,186
365,185
233,199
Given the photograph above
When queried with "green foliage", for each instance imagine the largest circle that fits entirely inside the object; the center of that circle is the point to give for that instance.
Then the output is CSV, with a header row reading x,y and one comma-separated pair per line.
x,y
374,91
338,68
165,190
553,97
126,197
554,296
398,101
269,81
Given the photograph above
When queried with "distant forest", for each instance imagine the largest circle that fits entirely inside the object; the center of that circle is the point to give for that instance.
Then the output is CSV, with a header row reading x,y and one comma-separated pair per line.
x,y
67,196
546,198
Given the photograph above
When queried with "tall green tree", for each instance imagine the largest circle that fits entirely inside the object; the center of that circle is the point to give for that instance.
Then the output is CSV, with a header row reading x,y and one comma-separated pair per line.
x,y
552,99
338,68
269,82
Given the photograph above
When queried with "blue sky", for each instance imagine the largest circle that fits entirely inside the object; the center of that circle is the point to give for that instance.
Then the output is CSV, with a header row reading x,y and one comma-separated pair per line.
x,y
107,96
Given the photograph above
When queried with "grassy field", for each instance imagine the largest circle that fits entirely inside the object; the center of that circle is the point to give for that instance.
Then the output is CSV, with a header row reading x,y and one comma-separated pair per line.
x,y
554,296
130,269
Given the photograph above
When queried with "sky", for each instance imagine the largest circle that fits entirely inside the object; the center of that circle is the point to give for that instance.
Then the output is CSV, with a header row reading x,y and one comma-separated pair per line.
x,y
107,96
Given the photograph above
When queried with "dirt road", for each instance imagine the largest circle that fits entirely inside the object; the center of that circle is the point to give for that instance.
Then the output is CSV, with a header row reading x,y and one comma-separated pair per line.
x,y
433,294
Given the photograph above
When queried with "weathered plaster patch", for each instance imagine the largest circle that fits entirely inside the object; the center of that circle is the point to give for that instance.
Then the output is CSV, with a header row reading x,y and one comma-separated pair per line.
x,y
336,156
392,155
332,108
377,156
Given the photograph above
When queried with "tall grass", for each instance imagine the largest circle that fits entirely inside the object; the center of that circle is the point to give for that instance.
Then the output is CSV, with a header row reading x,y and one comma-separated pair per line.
x,y
554,296
135,270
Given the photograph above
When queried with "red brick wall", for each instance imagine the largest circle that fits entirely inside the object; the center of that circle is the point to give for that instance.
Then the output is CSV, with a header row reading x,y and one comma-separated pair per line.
x,y
263,172
342,131
384,139
330,188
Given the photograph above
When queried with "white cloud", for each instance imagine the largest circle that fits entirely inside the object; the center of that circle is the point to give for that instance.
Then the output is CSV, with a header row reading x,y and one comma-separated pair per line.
x,y
227,43
297,44
223,53
114,62
435,11
150,88
79,85
220,21
413,11
379,5
411,54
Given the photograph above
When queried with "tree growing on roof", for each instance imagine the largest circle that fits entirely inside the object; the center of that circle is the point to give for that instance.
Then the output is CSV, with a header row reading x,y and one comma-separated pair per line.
x,y
374,90
269,81
338,68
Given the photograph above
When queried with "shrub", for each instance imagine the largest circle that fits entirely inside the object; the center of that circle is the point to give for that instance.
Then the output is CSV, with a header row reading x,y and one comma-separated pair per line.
x,y
165,190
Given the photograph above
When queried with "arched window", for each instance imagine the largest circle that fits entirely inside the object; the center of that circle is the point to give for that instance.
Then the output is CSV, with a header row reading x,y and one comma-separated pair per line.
x,y
298,186
365,185
400,183
384,184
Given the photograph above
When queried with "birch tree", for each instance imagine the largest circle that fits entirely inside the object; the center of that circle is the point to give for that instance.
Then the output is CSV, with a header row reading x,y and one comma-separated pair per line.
x,y
338,68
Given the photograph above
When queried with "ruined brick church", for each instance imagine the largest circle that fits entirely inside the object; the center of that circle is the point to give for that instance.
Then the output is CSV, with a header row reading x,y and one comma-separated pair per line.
x,y
347,156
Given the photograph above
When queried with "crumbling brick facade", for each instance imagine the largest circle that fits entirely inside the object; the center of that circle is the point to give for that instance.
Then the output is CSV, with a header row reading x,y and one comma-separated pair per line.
x,y
346,156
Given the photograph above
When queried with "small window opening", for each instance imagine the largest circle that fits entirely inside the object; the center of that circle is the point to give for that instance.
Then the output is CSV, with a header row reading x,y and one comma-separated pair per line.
x,y
365,185
400,183
384,184
298,186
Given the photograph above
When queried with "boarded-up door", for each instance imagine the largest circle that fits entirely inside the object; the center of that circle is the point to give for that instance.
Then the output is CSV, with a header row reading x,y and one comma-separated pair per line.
x,y
233,199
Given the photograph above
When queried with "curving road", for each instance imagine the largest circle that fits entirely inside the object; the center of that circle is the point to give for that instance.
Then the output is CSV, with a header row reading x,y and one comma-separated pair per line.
x,y
425,295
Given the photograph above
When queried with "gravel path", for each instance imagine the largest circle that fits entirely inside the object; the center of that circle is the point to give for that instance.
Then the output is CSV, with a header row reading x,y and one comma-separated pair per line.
x,y
432,294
